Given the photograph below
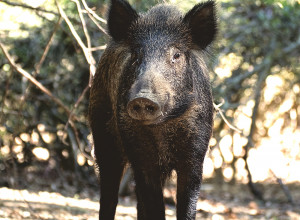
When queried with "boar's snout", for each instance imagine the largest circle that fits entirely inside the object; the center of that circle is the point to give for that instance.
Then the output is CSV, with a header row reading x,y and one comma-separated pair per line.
x,y
144,107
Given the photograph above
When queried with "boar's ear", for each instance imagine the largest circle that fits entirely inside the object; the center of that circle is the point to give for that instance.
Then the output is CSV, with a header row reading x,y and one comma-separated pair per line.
x,y
120,17
201,21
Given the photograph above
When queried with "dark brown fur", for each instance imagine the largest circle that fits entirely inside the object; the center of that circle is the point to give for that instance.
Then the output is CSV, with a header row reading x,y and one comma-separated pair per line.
x,y
160,52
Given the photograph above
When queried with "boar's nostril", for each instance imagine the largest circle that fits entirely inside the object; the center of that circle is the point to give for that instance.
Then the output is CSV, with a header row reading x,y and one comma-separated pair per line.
x,y
143,109
136,108
150,108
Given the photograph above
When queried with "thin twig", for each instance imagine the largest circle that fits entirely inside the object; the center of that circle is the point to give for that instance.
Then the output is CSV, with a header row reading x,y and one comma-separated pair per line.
x,y
74,146
239,78
40,63
31,209
292,46
97,24
32,79
29,7
98,48
220,104
5,96
74,127
254,190
86,33
72,29
284,188
78,142
87,53
90,11
88,39
217,107
77,103
262,76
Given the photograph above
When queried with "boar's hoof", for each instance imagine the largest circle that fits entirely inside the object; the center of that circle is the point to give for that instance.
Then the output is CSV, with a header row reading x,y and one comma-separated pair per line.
x,y
143,109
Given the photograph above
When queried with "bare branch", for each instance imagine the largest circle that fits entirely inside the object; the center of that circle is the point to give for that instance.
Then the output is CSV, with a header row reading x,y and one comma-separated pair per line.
x,y
77,139
284,188
217,107
239,78
29,7
32,210
220,104
97,24
87,53
32,79
39,65
72,29
2,116
98,48
262,76
70,122
86,33
77,103
90,11
292,46
254,190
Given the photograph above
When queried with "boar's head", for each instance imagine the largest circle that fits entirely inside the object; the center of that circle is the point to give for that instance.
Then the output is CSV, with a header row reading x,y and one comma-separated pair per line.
x,y
162,76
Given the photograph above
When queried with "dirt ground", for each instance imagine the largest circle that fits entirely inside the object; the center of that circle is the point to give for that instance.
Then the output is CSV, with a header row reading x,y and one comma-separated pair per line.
x,y
222,201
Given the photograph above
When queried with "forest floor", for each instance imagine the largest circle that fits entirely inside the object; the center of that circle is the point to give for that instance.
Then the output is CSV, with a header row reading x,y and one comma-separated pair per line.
x,y
217,201
225,202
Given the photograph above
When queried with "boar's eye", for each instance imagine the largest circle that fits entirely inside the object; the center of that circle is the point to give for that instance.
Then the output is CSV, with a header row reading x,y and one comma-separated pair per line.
x,y
176,56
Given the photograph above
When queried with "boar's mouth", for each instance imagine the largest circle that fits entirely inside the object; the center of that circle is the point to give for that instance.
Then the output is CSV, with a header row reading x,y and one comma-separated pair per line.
x,y
150,109
168,115
179,108
153,122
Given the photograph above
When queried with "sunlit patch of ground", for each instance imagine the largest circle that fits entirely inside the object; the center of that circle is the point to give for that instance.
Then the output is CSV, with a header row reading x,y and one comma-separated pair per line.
x,y
228,204
22,204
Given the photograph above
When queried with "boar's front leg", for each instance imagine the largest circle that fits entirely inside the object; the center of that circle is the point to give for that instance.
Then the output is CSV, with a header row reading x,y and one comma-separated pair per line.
x,y
189,178
111,169
111,165
149,193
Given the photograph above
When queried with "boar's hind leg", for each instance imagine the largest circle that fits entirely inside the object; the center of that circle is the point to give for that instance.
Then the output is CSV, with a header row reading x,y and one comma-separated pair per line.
x,y
188,188
111,168
150,203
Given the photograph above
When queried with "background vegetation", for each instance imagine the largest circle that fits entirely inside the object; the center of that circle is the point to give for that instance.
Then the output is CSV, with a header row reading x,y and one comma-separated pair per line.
x,y
255,76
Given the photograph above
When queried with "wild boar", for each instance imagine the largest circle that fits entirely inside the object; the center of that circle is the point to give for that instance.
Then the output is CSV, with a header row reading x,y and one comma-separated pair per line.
x,y
151,105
